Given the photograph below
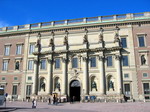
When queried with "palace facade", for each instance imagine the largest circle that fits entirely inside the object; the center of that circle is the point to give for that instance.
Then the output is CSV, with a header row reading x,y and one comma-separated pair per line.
x,y
104,57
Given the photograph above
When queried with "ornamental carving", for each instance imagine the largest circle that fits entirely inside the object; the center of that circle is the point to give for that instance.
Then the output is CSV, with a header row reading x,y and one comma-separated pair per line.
x,y
51,43
116,38
65,40
85,40
101,37
85,58
101,58
50,61
64,60
117,57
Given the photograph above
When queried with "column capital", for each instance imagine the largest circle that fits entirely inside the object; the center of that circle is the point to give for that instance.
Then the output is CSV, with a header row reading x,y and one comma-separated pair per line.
x,y
101,58
50,60
85,58
117,57
64,60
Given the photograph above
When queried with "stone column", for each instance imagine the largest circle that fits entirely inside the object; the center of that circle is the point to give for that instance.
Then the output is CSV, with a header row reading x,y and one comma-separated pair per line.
x,y
102,75
119,74
50,76
64,77
35,82
85,75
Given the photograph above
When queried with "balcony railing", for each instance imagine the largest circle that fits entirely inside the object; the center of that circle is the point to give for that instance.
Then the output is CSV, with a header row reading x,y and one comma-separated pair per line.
x,y
100,19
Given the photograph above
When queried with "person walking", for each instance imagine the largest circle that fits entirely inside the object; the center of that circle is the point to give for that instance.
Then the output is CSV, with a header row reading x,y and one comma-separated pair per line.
x,y
34,103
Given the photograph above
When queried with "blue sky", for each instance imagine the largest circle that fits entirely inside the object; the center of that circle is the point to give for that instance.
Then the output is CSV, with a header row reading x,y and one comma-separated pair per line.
x,y
19,12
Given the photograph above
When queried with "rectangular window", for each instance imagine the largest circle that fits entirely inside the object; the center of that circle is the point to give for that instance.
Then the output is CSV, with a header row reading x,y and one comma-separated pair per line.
x,y
3,78
28,90
15,78
57,63
30,64
17,65
141,41
29,78
74,62
93,61
7,50
109,61
127,89
14,91
145,75
5,65
43,64
146,88
126,75
32,47
19,49
125,61
124,42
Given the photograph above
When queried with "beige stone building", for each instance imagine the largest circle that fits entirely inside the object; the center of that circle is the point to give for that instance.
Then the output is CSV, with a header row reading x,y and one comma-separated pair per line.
x,y
87,58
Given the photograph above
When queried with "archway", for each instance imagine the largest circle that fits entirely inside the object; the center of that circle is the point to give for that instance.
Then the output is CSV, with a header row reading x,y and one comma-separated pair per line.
x,y
75,90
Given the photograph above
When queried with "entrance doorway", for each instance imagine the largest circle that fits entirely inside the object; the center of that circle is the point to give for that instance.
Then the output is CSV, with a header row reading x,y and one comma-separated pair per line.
x,y
75,90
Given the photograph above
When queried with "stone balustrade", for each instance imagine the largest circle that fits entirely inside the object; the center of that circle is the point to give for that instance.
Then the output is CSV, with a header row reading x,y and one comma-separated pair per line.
x,y
99,19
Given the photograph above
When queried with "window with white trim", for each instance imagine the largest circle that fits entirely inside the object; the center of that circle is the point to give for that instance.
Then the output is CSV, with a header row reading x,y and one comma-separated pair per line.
x,y
19,49
7,50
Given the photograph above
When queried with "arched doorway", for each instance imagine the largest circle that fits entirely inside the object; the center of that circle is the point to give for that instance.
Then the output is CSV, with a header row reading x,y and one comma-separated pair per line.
x,y
75,89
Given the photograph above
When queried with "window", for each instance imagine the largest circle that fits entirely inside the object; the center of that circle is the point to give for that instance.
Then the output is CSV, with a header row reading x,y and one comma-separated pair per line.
x,y
5,65
74,62
146,88
126,75
29,78
15,78
19,49
125,61
145,75
30,64
32,47
43,64
3,78
28,90
93,61
124,42
17,65
127,89
14,91
109,61
7,50
57,63
141,41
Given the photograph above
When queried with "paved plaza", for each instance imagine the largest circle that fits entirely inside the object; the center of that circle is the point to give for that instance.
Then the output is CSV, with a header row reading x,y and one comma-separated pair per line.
x,y
78,107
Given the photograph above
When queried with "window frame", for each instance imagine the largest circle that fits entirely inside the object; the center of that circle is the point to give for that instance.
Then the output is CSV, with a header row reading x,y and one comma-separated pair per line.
x,y
142,35
107,63
91,63
32,64
74,65
125,41
33,48
59,64
124,64
41,64
5,67
5,50
19,51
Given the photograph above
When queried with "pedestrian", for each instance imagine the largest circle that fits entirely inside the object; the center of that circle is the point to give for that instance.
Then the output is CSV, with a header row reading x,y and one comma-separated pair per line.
x,y
34,103
49,101
54,99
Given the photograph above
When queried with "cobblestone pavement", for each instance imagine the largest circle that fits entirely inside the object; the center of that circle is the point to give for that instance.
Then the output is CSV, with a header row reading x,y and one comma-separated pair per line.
x,y
78,107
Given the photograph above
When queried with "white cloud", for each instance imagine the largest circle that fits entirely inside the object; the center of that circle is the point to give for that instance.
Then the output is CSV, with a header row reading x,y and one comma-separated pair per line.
x,y
3,24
